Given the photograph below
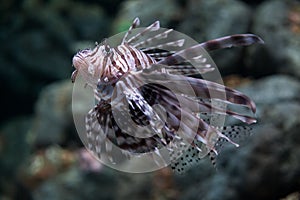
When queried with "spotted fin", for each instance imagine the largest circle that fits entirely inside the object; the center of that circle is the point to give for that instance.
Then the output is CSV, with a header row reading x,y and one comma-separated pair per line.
x,y
192,155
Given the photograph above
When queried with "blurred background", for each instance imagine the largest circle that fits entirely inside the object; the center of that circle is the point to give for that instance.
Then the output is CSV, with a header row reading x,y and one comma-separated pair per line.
x,y
41,155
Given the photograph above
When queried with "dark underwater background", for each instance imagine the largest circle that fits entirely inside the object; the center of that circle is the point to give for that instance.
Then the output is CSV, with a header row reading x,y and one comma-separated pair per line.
x,y
41,154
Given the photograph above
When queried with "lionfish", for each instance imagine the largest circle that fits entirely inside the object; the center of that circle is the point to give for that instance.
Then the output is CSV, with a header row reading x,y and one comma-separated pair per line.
x,y
118,73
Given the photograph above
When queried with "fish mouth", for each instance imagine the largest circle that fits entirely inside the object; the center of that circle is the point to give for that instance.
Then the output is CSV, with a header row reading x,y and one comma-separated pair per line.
x,y
77,61
74,75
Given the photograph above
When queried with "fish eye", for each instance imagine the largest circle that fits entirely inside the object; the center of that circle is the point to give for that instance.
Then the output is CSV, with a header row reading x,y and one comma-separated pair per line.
x,y
107,48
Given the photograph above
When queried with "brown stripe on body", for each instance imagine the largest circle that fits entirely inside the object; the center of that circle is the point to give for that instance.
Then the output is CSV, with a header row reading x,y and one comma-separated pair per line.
x,y
119,58
132,51
128,61
103,67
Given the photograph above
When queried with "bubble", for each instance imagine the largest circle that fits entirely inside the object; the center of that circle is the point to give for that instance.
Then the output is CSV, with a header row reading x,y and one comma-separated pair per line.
x,y
121,95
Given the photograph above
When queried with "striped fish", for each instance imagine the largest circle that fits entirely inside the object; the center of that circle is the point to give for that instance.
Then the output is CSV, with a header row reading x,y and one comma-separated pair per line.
x,y
118,76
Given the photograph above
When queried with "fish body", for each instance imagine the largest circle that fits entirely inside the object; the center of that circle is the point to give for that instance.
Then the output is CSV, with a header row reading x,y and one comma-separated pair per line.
x,y
134,77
